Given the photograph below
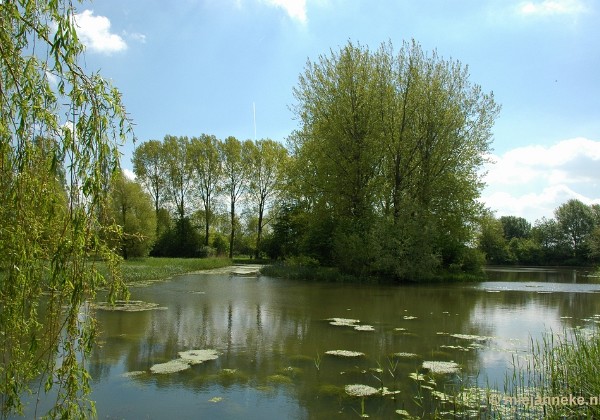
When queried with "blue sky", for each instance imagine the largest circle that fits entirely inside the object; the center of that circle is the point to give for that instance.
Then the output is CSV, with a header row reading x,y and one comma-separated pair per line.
x,y
197,66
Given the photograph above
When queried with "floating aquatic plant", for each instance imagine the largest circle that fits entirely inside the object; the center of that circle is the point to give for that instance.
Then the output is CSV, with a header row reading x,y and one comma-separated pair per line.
x,y
343,322
132,374
385,392
471,337
359,390
128,306
280,379
186,359
461,348
344,353
364,328
194,357
416,376
406,355
172,366
215,399
441,367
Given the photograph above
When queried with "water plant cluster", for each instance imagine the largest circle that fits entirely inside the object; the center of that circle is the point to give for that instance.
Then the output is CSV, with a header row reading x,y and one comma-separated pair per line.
x,y
185,360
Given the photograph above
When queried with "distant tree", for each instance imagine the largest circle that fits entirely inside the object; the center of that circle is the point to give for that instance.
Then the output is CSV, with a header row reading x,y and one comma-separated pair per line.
x,y
235,162
491,240
552,241
207,172
266,161
576,220
149,168
131,208
178,171
515,227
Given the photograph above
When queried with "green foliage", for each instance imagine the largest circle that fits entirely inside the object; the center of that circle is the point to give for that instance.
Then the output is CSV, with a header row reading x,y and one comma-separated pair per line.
x,y
565,364
515,227
207,173
219,243
149,167
131,208
491,240
572,238
235,173
53,178
576,221
149,268
388,150
180,240
266,160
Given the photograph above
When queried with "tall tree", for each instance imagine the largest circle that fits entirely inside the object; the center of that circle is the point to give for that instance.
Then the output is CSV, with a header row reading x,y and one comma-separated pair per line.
x,y
47,237
267,159
149,168
235,172
206,166
179,172
576,220
391,144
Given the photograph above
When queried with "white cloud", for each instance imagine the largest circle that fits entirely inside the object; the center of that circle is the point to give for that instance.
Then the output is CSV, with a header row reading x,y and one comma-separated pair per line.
x,y
136,36
94,33
129,174
296,9
551,7
532,181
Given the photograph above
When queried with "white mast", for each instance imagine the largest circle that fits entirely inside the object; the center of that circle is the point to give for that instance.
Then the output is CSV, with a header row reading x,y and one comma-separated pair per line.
x,y
254,113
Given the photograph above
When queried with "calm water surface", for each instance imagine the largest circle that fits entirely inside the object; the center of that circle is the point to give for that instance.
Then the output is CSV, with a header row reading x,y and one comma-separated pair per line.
x,y
271,334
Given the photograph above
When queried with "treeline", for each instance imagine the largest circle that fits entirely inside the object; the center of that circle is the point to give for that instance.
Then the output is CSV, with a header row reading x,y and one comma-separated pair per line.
x,y
196,186
572,237
381,178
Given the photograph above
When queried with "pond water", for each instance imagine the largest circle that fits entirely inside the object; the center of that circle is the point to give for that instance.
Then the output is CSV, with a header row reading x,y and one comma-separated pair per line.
x,y
272,335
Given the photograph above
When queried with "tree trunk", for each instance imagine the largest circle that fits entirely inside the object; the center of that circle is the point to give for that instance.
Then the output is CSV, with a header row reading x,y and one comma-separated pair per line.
x,y
259,233
232,236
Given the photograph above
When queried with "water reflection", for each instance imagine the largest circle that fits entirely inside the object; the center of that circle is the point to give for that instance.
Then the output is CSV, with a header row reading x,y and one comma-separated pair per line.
x,y
272,336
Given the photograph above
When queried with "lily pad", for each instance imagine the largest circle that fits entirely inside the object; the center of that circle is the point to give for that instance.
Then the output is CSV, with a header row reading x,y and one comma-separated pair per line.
x,y
344,353
194,357
435,366
343,322
471,337
406,355
173,366
364,328
359,390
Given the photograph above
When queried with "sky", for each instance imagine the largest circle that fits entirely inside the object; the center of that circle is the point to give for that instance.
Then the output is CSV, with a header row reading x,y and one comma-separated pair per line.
x,y
228,68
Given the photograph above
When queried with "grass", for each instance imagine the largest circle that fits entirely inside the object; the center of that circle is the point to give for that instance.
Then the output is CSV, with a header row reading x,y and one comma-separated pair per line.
x,y
565,365
559,380
147,269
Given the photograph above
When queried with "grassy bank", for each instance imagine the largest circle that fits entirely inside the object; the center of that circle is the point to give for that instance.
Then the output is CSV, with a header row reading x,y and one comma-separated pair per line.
x,y
146,269
332,274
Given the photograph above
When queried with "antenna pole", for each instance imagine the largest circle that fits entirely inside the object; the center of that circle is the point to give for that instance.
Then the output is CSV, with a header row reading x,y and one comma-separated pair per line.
x,y
254,114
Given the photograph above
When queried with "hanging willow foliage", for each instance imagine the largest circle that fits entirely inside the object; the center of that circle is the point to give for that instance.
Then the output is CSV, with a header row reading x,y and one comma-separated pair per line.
x,y
60,129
